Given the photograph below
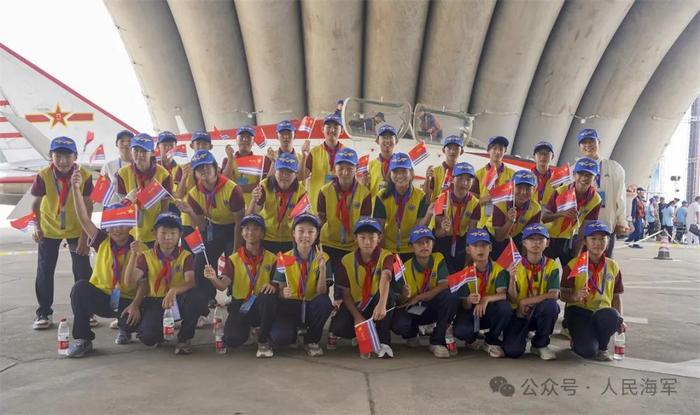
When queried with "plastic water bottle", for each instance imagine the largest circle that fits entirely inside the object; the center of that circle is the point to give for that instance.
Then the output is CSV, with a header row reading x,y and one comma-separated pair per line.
x,y
63,334
218,316
168,325
450,340
332,341
219,344
619,340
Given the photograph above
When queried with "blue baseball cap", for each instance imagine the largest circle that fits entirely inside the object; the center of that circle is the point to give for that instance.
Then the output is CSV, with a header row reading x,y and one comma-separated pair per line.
x,y
463,168
169,220
499,139
124,134
543,144
143,141
366,223
285,126
586,165
202,157
334,118
346,155
385,128
166,136
420,232
287,161
400,161
452,139
587,134
478,235
63,143
535,229
307,217
595,226
253,218
246,129
201,135
524,177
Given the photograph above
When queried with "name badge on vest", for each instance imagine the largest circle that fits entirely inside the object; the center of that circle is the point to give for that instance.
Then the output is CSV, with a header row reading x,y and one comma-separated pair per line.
x,y
210,232
242,180
416,309
328,178
602,197
114,298
62,218
247,305
176,311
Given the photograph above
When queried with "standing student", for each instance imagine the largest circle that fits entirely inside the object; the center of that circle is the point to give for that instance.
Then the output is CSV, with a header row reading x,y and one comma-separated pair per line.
x,y
544,154
274,200
461,213
106,293
214,206
169,272
484,300
340,204
428,301
166,142
533,292
637,219
304,302
400,206
285,136
229,167
110,168
564,227
248,273
496,148
56,221
378,169
592,295
185,179
364,277
438,179
138,175
319,162
510,218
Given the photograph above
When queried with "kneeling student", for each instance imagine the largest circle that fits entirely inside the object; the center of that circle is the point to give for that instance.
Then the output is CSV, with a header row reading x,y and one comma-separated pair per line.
x,y
533,291
304,301
591,287
169,272
429,300
365,278
248,272
485,305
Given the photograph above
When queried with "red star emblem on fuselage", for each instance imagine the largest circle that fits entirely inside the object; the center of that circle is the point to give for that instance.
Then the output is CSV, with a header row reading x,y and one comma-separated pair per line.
x,y
57,116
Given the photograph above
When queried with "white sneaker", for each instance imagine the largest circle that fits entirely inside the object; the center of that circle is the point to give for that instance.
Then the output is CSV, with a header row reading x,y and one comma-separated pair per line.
x,y
603,356
264,350
202,322
385,351
439,351
413,342
565,332
114,325
545,353
42,322
477,344
494,350
313,350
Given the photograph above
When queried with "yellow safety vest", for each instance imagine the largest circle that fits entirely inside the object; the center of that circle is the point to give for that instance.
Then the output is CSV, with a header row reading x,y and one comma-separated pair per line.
x,y
556,227
321,172
533,209
279,230
595,300
220,210
540,284
415,279
396,235
102,273
241,279
51,212
155,266
356,273
333,233
146,218
293,277
505,176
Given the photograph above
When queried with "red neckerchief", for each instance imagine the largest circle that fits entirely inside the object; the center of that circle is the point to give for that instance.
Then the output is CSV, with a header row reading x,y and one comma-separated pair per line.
x,y
587,195
541,181
426,276
595,282
369,274
117,253
457,206
483,278
142,178
62,182
331,153
344,200
251,265
401,201
166,270
533,272
304,268
498,171
284,198
210,196
169,168
385,165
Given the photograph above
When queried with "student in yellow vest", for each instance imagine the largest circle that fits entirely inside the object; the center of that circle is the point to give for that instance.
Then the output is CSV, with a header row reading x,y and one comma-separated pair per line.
x,y
438,179
365,281
593,305
496,148
248,273
106,293
564,226
378,169
166,142
510,218
169,272
229,167
275,199
460,214
56,220
428,301
285,136
215,206
304,302
484,300
400,207
533,292
544,154
340,204
138,175
319,164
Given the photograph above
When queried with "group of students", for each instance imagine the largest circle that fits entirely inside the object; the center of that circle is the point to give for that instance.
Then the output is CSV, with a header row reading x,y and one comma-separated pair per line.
x,y
369,246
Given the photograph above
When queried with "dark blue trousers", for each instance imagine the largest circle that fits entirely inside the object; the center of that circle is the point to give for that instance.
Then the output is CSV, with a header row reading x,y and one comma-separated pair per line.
x,y
542,318
591,331
343,324
496,319
262,314
86,300
288,320
46,269
440,310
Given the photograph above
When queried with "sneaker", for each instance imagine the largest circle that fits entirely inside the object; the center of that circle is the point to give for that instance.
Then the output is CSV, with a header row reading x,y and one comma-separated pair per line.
x,y
183,347
477,344
313,350
42,322
79,348
439,351
332,343
603,356
122,338
545,353
114,325
93,321
264,350
494,350
565,332
413,342
202,321
385,351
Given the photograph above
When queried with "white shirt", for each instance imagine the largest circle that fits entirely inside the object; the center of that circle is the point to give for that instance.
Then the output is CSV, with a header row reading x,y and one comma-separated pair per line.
x,y
691,217
110,170
613,210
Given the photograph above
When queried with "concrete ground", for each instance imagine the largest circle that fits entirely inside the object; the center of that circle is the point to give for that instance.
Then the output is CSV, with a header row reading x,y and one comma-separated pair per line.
x,y
661,372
